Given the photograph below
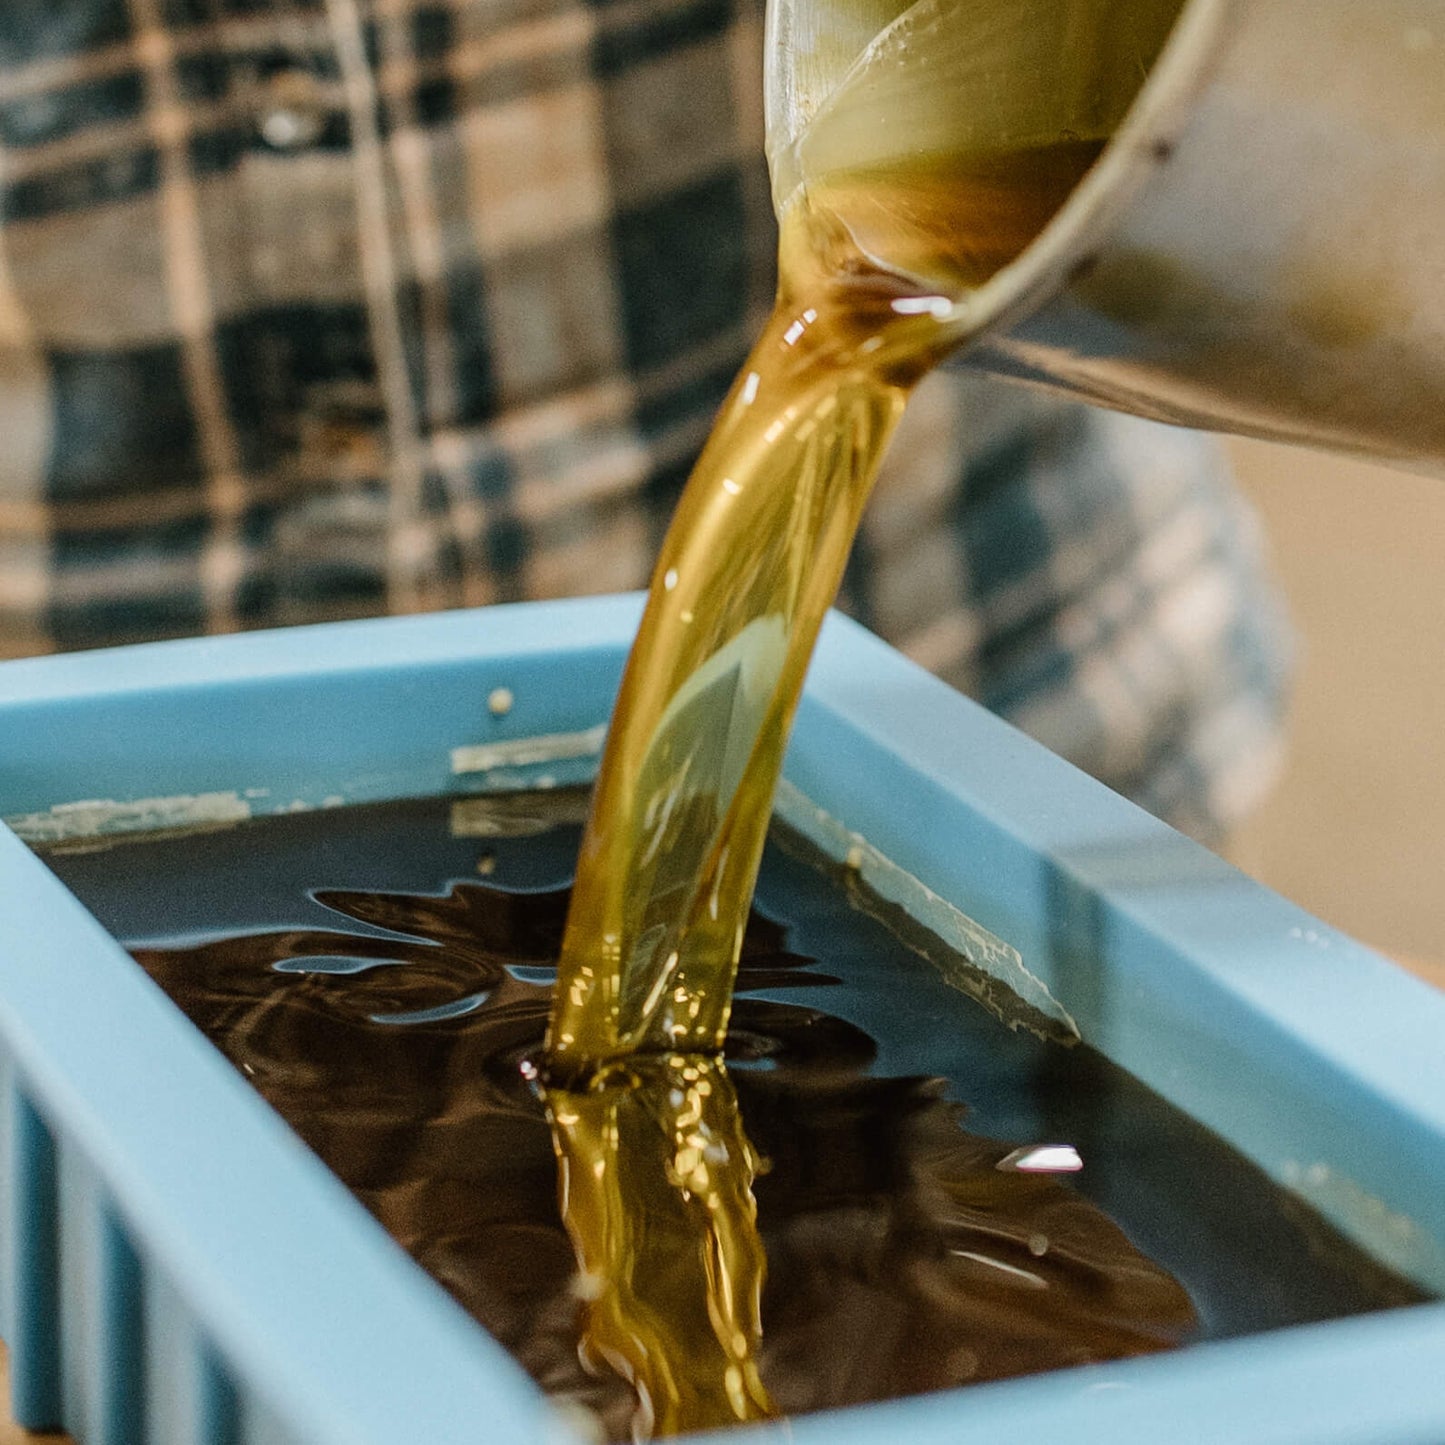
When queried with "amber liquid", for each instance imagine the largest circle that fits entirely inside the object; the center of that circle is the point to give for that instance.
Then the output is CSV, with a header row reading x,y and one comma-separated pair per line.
x,y
655,1180
656,1170
379,976
751,563
940,152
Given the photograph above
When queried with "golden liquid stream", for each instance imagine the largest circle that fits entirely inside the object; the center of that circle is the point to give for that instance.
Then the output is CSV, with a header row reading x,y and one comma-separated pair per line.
x,y
670,1258
872,260
749,567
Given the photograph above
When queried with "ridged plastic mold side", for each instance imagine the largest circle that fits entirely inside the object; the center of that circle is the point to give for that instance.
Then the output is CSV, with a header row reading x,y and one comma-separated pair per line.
x,y
31,1259
101,1343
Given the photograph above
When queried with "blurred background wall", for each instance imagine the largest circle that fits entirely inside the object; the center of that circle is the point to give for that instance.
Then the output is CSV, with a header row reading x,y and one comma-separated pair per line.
x,y
1355,832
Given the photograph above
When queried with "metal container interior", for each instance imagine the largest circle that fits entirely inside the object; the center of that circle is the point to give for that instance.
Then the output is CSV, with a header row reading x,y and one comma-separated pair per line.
x,y
1261,247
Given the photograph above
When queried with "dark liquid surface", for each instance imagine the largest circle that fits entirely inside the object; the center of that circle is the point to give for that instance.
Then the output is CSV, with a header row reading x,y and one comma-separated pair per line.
x,y
380,973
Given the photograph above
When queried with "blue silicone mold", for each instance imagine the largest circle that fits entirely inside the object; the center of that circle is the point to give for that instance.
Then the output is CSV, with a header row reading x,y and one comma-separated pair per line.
x,y
178,1269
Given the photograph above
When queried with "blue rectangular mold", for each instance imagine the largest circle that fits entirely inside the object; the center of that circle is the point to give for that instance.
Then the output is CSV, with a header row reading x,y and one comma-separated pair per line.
x,y
179,1269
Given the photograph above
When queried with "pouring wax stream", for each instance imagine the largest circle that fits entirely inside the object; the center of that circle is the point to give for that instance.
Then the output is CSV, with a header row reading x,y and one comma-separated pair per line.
x,y
1002,109
655,1169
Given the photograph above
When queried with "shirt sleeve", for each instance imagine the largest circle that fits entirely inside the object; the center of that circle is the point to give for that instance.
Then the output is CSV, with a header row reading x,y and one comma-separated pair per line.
x,y
300,322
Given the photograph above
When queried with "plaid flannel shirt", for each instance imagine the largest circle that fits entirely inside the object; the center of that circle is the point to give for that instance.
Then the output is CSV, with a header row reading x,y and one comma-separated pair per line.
x,y
322,308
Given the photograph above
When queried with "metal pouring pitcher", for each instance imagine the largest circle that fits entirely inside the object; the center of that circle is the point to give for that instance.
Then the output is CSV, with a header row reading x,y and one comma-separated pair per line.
x,y
1260,248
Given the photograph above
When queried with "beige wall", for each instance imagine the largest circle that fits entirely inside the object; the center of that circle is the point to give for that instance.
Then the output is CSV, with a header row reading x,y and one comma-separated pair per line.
x,y
1356,830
